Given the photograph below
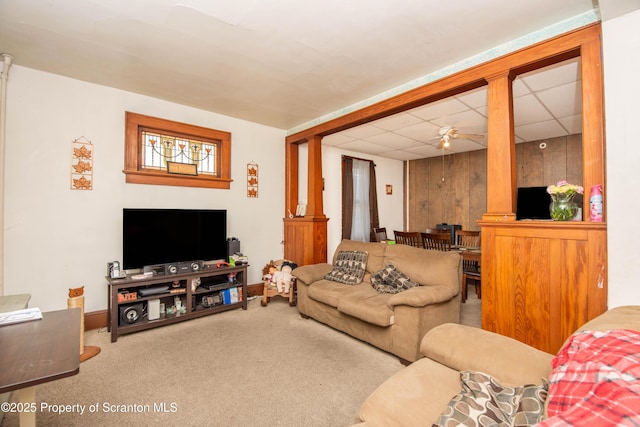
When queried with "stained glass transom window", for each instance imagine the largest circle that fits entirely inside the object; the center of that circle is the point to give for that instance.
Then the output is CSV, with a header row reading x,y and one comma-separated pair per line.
x,y
158,149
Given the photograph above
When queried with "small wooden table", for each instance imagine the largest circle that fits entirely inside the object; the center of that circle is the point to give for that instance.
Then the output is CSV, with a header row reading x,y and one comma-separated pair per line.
x,y
37,352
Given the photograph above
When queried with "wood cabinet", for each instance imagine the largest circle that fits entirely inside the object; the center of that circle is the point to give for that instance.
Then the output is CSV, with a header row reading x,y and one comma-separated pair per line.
x,y
201,293
541,280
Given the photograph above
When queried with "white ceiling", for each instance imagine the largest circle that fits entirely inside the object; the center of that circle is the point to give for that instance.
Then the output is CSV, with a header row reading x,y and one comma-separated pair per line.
x,y
287,63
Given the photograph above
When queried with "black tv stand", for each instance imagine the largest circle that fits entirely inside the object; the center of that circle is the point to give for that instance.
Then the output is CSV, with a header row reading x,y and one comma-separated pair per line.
x,y
201,293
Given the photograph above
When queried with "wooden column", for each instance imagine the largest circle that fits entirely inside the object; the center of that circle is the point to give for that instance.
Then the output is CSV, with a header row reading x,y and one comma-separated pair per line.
x,y
291,179
593,141
501,157
305,238
314,185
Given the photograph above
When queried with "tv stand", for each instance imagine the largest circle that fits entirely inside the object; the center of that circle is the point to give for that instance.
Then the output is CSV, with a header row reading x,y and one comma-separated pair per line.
x,y
200,293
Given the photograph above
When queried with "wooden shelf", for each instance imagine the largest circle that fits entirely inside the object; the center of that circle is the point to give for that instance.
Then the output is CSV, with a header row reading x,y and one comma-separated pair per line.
x,y
215,278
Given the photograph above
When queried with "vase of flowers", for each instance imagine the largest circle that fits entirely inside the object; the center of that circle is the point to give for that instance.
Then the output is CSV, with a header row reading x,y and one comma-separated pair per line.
x,y
562,207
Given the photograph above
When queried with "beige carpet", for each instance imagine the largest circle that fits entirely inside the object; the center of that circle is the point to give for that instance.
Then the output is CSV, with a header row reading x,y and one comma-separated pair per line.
x,y
262,367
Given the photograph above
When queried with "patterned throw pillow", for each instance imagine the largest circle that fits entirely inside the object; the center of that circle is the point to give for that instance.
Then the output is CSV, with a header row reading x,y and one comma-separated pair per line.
x,y
391,280
349,267
483,402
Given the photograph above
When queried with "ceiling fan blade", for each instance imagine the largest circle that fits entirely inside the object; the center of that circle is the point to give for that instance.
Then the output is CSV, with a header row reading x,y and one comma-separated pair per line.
x,y
471,136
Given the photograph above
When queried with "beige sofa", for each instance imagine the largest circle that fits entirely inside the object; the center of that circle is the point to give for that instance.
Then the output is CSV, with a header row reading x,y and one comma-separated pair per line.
x,y
393,322
419,393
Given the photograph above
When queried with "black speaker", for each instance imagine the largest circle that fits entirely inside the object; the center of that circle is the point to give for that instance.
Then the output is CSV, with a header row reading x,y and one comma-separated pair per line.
x,y
130,313
183,267
233,247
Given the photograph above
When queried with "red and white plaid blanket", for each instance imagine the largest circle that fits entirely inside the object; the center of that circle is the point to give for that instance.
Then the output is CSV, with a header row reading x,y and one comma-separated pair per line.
x,y
595,381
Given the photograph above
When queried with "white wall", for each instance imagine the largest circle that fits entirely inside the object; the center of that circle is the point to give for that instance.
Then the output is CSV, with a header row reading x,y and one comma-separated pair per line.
x,y
57,238
621,52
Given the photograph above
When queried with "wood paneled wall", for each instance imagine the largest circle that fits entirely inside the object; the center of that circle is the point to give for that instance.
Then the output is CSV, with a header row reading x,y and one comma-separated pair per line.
x,y
461,198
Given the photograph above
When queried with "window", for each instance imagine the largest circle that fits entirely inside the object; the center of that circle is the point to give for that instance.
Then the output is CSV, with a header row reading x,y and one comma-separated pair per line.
x,y
359,199
164,152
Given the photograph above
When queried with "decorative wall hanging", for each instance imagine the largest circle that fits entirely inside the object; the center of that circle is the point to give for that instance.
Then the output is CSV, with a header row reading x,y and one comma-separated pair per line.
x,y
81,164
252,179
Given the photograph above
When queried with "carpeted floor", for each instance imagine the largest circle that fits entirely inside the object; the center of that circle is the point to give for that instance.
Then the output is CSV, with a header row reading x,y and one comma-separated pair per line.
x,y
262,367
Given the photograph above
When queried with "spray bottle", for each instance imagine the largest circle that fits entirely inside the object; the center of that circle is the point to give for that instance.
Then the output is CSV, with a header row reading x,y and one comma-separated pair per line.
x,y
595,203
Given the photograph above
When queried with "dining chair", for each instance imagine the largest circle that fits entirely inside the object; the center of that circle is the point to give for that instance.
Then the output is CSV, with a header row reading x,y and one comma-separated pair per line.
x,y
380,234
411,238
436,230
436,241
468,239
471,270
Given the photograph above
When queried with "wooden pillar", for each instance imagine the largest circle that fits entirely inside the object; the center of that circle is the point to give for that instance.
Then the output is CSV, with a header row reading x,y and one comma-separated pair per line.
x,y
305,238
593,141
291,179
314,185
501,158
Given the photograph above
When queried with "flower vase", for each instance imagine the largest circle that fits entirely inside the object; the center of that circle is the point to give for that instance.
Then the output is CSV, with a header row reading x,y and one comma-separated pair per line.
x,y
562,207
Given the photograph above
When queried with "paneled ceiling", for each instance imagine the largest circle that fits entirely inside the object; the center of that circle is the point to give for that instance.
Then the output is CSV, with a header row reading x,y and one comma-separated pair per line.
x,y
290,64
547,104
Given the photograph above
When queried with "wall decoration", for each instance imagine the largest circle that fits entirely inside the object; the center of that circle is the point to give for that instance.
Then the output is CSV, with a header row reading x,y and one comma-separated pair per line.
x,y
252,179
81,164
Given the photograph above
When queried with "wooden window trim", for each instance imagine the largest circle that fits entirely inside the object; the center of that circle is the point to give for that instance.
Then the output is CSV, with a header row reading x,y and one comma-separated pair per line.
x,y
134,172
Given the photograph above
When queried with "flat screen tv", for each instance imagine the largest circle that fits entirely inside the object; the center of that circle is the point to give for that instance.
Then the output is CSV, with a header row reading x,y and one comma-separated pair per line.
x,y
158,236
533,203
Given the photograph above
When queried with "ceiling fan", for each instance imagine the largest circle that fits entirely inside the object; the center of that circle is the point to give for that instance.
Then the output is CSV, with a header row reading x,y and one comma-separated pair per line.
x,y
447,133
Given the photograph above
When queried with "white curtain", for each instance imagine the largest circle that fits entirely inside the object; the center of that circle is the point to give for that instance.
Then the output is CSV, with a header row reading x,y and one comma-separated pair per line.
x,y
361,223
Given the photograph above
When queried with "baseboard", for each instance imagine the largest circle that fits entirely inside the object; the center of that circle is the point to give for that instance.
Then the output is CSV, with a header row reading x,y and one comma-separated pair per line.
x,y
100,319
96,320
256,289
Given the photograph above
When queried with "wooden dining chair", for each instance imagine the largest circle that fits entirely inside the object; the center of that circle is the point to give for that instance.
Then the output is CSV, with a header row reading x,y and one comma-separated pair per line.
x,y
468,239
380,234
411,238
471,270
436,241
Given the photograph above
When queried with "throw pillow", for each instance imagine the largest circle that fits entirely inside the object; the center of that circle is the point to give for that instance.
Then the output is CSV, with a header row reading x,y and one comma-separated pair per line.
x,y
391,280
349,267
484,401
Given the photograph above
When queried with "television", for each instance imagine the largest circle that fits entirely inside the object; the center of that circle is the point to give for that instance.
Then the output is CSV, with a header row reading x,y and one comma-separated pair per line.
x,y
159,236
533,203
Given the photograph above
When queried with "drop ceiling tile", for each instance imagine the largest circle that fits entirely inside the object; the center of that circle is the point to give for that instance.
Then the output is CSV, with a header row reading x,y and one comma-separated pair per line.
x,y
527,109
554,75
423,150
390,139
397,121
465,122
562,100
363,131
402,155
336,139
541,130
519,88
474,98
420,132
361,146
572,124
439,109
